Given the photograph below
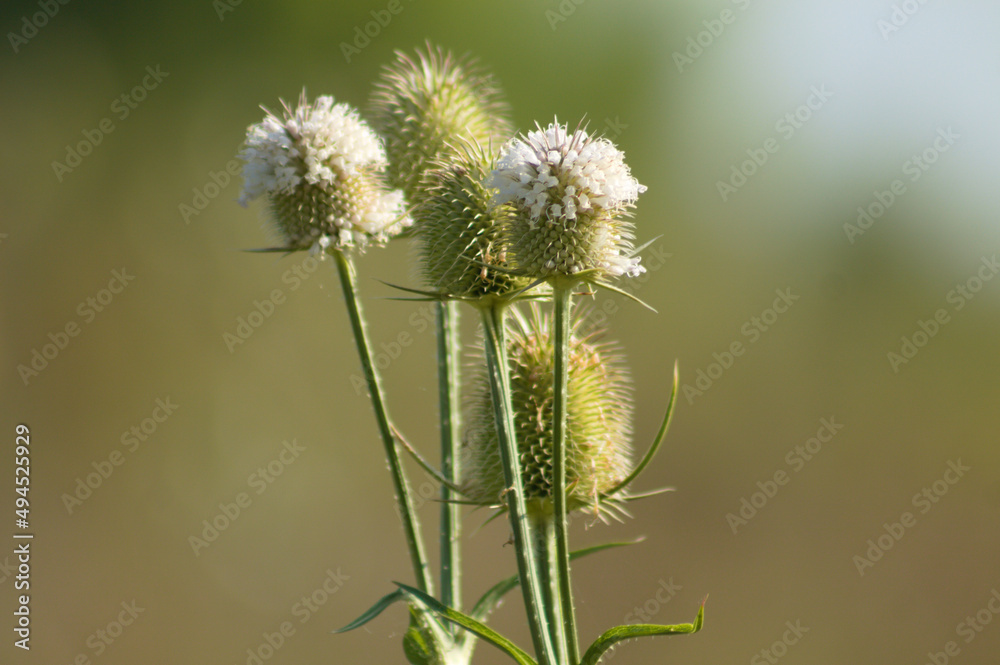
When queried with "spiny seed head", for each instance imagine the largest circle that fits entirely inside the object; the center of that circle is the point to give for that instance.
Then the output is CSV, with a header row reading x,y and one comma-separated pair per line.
x,y
462,253
423,105
599,418
319,168
573,196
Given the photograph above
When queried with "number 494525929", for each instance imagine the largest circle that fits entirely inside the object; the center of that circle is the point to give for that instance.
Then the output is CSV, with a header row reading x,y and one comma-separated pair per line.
x,y
22,474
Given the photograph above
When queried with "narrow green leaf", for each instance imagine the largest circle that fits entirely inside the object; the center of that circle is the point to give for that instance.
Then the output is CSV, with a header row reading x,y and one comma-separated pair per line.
x,y
433,295
648,457
414,299
520,292
470,624
643,246
622,292
422,461
496,268
268,250
646,495
619,633
491,599
593,549
374,611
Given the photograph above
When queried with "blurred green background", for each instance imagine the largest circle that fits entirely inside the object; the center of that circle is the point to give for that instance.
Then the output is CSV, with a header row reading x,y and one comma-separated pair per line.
x,y
684,124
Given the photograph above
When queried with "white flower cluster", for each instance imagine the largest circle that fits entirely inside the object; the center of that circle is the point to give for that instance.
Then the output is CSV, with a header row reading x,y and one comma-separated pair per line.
x,y
573,195
315,143
558,175
317,166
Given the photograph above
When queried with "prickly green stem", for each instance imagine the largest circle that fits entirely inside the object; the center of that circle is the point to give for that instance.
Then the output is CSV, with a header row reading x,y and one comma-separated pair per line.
x,y
524,537
407,514
545,535
449,350
562,297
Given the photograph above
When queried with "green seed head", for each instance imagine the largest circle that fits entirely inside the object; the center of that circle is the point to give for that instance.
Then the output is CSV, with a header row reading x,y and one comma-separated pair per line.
x,y
422,106
462,253
336,215
599,418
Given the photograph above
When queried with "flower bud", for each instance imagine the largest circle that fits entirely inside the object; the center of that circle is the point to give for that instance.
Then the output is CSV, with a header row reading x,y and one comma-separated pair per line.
x,y
423,106
319,168
461,249
573,195
598,418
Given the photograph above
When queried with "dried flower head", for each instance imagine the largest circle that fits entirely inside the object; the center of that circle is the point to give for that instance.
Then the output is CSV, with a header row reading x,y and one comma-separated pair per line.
x,y
573,194
319,168
599,418
461,249
423,106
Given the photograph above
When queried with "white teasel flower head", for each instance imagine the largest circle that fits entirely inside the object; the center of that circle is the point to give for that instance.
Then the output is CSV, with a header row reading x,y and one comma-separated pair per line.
x,y
574,195
320,166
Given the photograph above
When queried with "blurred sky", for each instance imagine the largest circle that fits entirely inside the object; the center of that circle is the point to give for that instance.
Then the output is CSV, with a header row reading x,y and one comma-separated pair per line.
x,y
843,154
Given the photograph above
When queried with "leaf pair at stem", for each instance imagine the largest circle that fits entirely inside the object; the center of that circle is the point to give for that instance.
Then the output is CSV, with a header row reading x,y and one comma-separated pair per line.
x,y
474,624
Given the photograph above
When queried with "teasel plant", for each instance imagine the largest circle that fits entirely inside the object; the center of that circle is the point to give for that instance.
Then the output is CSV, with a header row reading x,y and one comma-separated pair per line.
x,y
504,224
